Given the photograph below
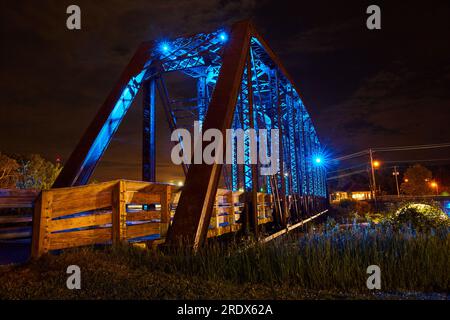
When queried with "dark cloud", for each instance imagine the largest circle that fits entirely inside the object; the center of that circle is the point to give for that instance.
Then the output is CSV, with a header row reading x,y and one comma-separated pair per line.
x,y
363,88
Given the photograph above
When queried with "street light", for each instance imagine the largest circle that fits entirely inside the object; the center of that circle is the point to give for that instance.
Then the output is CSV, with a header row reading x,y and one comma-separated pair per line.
x,y
434,185
374,164
395,174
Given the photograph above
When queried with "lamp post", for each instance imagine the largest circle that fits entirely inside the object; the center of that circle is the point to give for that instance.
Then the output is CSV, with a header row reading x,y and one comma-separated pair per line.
x,y
374,164
395,174
435,186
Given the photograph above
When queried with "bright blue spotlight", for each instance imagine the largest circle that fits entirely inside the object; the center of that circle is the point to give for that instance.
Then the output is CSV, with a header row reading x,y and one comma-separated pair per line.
x,y
223,36
164,47
318,160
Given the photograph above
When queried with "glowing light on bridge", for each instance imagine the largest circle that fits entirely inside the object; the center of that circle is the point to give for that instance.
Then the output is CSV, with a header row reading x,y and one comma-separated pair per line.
x,y
223,36
164,47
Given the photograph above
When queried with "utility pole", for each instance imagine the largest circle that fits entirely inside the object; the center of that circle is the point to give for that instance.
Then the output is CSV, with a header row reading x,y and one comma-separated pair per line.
x,y
374,186
395,174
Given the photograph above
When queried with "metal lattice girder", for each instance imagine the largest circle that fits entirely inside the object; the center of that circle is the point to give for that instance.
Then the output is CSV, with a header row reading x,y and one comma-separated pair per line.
x,y
148,132
250,76
196,202
83,160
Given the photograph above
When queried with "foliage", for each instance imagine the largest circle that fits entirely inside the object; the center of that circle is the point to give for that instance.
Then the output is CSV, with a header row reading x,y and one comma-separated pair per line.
x,y
350,208
346,206
35,172
330,259
421,217
416,181
8,172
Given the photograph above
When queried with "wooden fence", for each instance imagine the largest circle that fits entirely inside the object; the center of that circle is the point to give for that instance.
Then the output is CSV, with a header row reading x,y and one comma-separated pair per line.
x,y
228,209
111,212
16,223
100,213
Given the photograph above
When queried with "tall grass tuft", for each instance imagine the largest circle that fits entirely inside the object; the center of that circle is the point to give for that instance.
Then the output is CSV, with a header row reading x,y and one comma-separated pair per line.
x,y
328,258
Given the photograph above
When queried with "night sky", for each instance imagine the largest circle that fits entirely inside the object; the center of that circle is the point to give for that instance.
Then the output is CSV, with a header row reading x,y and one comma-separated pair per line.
x,y
362,88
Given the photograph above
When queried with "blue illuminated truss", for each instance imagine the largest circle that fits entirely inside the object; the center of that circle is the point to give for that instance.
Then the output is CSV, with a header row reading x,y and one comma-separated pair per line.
x,y
200,57
276,105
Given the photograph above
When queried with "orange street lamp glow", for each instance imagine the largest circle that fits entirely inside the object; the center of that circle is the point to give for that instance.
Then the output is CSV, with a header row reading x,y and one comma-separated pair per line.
x,y
406,180
434,185
376,164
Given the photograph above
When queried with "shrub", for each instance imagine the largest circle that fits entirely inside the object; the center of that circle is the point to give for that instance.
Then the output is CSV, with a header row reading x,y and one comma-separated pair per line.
x,y
421,217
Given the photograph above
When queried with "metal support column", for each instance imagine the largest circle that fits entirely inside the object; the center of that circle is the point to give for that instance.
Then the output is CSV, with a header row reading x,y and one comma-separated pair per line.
x,y
148,132
253,212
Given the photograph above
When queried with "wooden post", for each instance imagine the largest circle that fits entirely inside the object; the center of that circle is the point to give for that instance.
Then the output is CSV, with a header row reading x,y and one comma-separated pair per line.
x,y
165,211
41,217
230,200
196,204
119,213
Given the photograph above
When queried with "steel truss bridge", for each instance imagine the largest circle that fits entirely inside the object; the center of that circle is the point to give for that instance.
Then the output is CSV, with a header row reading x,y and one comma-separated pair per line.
x,y
240,84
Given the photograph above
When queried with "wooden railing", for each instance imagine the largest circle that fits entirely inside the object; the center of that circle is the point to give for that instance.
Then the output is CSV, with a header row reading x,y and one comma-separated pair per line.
x,y
15,219
111,212
100,213
228,208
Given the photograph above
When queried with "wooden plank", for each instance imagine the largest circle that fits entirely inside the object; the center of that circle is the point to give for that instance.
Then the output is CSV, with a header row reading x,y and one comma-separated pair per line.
x,y
79,238
19,192
141,186
41,216
165,211
119,213
63,194
80,222
77,204
264,220
15,219
141,230
222,192
143,215
292,227
136,197
15,233
16,202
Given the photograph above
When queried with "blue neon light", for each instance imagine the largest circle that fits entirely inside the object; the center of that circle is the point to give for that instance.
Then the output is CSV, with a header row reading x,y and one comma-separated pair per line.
x,y
164,47
199,57
223,36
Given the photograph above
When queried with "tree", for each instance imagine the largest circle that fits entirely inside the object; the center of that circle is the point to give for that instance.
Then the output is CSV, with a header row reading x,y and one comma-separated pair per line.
x,y
35,172
416,181
8,172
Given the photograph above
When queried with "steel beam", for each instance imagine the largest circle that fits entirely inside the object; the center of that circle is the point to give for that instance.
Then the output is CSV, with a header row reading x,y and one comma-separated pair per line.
x,y
253,212
191,221
148,132
83,160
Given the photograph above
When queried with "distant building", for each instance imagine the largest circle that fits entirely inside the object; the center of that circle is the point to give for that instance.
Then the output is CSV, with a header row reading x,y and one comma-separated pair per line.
x,y
352,195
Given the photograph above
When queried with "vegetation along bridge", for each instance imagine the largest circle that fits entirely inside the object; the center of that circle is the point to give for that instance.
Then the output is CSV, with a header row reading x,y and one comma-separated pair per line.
x,y
239,83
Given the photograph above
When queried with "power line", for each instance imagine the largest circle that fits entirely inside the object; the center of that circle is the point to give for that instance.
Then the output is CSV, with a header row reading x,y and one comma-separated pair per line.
x,y
389,149
348,168
346,174
416,160
417,147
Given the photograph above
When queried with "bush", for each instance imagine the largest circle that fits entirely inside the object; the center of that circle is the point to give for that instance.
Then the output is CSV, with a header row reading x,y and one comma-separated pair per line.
x,y
421,217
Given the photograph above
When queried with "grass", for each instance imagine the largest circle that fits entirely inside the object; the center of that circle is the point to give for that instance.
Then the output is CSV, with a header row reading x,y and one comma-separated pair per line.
x,y
329,262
